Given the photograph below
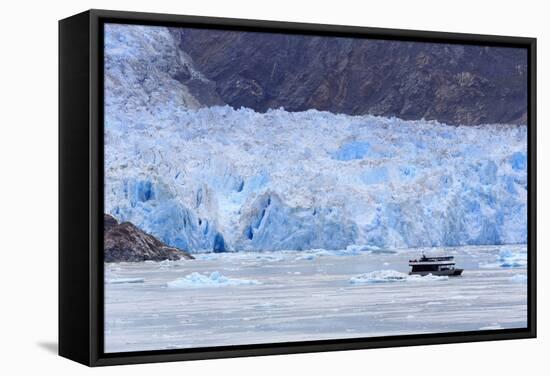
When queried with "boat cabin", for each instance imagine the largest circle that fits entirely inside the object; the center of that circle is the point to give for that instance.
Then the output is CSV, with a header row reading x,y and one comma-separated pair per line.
x,y
443,265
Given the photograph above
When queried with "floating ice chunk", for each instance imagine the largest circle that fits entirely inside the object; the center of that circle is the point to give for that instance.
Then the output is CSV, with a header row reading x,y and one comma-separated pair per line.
x,y
382,251
308,256
314,253
269,257
507,258
208,256
363,248
519,278
493,326
215,279
382,276
511,259
168,263
113,281
427,278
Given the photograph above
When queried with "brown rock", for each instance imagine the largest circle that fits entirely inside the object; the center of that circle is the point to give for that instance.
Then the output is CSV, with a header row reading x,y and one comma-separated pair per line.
x,y
454,84
126,242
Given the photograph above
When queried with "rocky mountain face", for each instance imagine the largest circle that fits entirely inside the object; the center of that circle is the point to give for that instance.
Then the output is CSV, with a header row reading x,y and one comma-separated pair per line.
x,y
126,242
454,84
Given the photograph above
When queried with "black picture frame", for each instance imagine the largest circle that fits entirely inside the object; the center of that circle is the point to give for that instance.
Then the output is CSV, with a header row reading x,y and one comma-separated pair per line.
x,y
81,188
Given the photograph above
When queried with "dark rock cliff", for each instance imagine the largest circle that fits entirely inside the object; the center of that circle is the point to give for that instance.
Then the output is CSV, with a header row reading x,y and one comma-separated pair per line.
x,y
126,242
454,84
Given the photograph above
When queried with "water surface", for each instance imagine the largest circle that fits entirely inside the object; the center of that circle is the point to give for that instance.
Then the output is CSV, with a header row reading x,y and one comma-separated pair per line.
x,y
251,298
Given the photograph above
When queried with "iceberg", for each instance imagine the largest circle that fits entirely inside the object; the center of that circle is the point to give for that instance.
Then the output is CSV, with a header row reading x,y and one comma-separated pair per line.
x,y
384,276
113,281
511,259
379,276
215,279
508,258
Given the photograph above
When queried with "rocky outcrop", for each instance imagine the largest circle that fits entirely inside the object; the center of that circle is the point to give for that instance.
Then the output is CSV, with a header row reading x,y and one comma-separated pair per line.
x,y
126,242
454,84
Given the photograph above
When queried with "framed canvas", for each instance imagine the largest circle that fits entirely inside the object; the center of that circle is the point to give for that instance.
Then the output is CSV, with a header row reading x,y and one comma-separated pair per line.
x,y
239,187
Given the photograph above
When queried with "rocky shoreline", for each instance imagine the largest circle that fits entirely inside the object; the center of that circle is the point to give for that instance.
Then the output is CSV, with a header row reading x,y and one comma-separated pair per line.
x,y
124,242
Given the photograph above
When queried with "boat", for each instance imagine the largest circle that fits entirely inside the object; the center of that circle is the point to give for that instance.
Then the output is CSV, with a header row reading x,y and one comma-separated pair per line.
x,y
442,265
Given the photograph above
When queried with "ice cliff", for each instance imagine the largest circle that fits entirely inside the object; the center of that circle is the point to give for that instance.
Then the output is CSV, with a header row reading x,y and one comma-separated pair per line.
x,y
216,178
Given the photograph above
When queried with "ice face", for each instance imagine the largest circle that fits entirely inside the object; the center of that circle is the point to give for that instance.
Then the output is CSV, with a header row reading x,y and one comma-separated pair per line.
x,y
274,225
202,182
224,179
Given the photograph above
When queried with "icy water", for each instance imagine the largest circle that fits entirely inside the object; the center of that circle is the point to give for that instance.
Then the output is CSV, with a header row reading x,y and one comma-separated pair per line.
x,y
250,298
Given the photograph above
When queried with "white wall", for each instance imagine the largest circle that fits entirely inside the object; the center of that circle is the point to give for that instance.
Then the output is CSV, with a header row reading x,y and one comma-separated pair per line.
x,y
28,189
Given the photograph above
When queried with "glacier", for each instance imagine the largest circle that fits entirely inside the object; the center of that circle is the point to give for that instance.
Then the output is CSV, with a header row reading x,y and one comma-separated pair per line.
x,y
217,179
223,179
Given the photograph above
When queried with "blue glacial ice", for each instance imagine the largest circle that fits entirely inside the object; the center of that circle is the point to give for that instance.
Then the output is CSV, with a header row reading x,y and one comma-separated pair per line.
x,y
224,179
353,150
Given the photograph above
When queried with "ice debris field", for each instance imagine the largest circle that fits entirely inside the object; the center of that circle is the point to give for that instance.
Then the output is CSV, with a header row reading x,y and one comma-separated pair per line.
x,y
263,297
